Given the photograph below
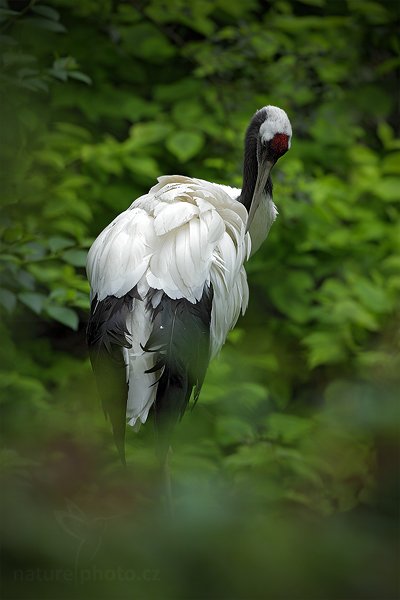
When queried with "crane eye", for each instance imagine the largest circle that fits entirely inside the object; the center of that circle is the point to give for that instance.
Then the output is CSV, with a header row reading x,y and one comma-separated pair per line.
x,y
280,143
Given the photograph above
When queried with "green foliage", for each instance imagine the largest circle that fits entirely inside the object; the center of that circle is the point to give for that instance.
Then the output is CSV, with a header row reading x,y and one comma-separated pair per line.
x,y
297,418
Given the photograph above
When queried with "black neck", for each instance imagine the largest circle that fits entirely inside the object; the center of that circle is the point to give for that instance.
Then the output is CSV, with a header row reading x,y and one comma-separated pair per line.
x,y
250,164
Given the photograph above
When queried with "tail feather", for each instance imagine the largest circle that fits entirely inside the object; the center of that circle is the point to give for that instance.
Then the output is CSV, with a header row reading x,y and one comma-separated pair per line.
x,y
181,338
179,342
107,336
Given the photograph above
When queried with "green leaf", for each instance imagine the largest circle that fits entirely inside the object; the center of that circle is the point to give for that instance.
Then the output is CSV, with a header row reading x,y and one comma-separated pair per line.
x,y
144,134
46,11
7,12
186,113
74,130
80,77
374,297
184,88
185,144
232,430
248,457
347,310
291,293
287,428
142,165
64,315
388,188
57,243
33,301
385,133
391,163
8,300
10,258
51,158
75,257
373,12
313,2
324,348
46,24
25,279
60,74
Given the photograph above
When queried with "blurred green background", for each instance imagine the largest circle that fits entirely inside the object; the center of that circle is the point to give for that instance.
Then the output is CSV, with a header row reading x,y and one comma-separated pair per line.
x,y
286,473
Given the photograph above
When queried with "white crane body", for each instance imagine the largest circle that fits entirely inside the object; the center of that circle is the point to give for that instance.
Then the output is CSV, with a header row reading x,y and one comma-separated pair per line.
x,y
168,283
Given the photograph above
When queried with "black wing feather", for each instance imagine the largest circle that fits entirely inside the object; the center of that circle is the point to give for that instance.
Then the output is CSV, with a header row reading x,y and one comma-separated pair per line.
x,y
106,336
181,335
181,340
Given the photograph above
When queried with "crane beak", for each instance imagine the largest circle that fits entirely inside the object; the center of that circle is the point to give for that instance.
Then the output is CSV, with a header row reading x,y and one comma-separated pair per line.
x,y
264,169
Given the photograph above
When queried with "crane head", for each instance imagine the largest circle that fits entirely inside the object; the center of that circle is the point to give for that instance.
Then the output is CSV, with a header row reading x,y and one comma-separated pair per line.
x,y
274,135
272,128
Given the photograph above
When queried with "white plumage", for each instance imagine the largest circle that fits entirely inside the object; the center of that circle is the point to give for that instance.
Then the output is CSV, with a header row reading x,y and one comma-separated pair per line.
x,y
185,239
183,235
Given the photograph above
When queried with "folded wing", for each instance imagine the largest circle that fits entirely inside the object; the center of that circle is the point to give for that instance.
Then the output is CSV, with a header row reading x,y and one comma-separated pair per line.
x,y
184,240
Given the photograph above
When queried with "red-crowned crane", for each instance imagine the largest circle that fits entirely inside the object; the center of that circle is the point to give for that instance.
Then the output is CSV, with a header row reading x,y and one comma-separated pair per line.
x,y
168,282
